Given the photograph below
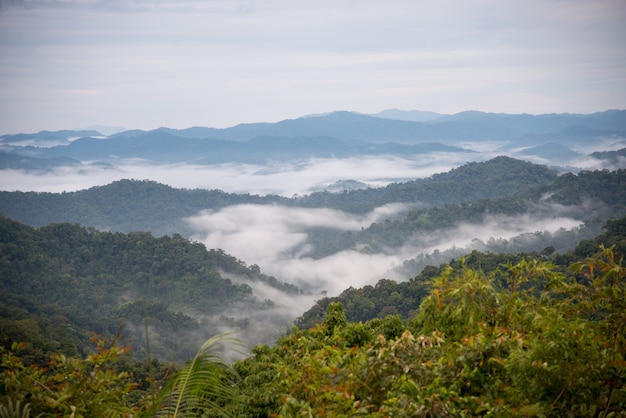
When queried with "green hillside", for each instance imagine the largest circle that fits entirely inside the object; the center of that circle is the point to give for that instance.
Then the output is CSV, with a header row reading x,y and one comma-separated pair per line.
x,y
492,335
62,283
131,205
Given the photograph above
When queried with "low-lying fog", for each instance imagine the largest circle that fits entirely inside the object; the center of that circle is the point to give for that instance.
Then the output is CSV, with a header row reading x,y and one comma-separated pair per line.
x,y
281,178
275,238
284,178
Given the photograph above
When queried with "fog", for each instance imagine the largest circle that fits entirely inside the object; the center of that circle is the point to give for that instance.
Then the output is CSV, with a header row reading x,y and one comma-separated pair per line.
x,y
275,238
285,178
289,178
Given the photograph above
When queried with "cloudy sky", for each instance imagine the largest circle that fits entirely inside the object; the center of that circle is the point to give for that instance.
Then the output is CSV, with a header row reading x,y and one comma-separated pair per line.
x,y
180,63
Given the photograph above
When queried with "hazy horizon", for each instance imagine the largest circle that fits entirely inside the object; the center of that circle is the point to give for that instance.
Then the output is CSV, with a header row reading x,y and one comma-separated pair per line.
x,y
147,63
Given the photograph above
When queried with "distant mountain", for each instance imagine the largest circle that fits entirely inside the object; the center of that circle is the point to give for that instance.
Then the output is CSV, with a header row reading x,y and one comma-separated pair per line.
x,y
46,138
10,161
412,115
164,146
555,153
611,120
333,135
106,130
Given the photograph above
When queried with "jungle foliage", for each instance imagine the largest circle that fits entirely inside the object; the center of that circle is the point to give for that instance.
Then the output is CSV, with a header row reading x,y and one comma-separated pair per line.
x,y
527,339
389,297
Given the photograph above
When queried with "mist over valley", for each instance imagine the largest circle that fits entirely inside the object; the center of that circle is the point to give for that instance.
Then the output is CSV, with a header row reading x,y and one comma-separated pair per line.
x,y
310,207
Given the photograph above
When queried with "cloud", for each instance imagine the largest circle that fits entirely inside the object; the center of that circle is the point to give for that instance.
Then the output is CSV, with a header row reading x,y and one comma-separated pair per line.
x,y
285,179
275,238
272,233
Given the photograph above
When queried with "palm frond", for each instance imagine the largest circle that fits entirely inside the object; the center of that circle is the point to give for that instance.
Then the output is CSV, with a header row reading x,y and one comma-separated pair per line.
x,y
16,410
204,386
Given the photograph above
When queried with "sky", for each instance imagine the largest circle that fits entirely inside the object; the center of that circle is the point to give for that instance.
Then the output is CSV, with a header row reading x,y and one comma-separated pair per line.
x,y
149,63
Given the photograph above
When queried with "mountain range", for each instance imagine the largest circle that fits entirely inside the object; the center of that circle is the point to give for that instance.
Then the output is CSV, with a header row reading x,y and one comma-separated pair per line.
x,y
334,135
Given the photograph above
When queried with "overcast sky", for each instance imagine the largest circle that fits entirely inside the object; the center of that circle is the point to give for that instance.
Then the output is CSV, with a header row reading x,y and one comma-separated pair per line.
x,y
181,63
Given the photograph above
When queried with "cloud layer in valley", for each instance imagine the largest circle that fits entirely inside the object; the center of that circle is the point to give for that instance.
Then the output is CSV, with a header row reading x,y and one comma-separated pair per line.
x,y
284,179
275,238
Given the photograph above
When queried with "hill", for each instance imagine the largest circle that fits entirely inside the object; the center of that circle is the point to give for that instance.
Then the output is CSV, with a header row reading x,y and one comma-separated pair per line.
x,y
493,334
62,283
389,297
130,205
124,206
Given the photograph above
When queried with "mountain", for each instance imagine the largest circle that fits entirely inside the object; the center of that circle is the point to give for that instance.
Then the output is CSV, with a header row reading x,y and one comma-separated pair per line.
x,y
130,205
163,146
412,115
554,153
333,135
612,120
614,157
501,186
62,283
9,161
125,205
471,125
498,177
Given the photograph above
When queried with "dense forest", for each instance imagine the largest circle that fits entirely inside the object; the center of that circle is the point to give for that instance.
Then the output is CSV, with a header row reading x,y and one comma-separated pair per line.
x,y
488,335
62,283
105,300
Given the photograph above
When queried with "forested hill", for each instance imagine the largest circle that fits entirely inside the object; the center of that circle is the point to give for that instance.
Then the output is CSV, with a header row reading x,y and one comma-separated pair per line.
x,y
62,283
593,197
493,335
130,205
400,299
124,205
498,177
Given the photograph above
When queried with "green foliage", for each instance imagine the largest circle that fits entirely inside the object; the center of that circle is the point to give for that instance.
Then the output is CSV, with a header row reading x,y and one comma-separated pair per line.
x,y
61,283
527,339
67,386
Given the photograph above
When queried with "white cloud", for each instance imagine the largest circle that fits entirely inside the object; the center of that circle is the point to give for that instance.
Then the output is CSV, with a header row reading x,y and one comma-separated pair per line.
x,y
284,179
275,238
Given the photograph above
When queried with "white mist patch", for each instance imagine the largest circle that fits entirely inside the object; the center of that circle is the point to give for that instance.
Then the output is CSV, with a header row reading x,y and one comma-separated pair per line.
x,y
270,234
497,227
275,238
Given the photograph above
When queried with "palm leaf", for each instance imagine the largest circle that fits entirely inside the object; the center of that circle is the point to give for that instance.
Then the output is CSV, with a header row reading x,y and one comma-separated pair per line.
x,y
11,410
204,386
